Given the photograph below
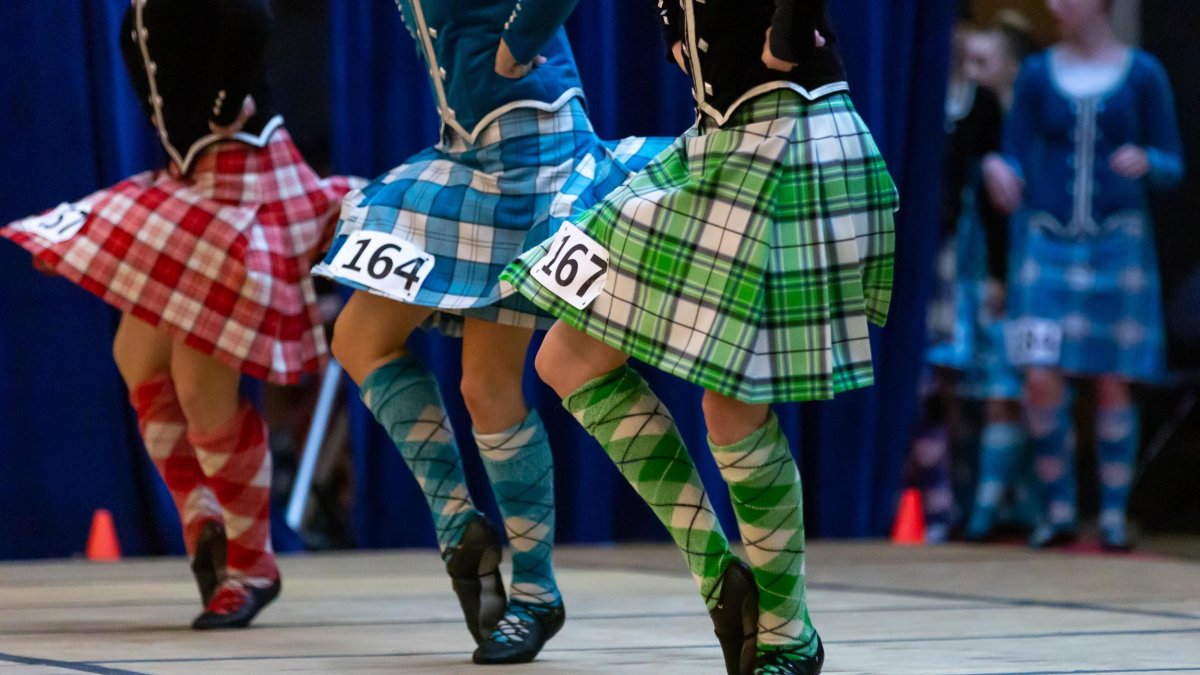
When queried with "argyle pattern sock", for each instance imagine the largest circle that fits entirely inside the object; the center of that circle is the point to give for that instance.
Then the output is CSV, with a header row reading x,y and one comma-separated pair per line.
x,y
521,468
638,434
1052,437
237,463
404,398
1117,441
164,432
999,449
764,484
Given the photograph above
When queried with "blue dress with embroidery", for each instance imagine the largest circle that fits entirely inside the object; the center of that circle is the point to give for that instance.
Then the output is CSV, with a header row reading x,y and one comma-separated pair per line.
x,y
1084,282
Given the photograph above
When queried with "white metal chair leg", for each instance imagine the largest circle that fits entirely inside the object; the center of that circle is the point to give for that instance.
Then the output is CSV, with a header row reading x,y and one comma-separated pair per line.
x,y
302,486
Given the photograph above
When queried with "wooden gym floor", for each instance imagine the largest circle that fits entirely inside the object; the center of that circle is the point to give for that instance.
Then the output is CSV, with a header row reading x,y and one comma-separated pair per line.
x,y
927,611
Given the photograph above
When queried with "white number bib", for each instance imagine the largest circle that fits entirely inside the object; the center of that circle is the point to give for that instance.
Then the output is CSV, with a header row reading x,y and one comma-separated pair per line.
x,y
61,224
1034,342
575,269
384,263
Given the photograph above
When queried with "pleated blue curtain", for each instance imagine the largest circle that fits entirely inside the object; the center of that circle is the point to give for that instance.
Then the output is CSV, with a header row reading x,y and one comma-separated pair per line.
x,y
68,440
852,449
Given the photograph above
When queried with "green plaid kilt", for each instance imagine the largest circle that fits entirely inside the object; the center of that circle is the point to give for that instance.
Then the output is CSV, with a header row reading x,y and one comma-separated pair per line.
x,y
747,258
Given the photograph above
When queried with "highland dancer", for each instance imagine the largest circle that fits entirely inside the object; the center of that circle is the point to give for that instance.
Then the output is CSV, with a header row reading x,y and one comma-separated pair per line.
x,y
748,259
424,245
208,262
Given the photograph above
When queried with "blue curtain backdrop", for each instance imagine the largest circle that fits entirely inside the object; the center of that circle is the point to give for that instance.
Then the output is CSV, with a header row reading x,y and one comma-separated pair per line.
x,y
852,449
68,440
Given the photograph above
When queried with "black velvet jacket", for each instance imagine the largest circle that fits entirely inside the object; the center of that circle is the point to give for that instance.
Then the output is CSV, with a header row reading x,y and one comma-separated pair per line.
x,y
193,62
723,42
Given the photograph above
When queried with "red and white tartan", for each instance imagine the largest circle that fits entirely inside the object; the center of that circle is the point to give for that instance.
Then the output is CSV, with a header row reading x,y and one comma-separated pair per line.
x,y
218,259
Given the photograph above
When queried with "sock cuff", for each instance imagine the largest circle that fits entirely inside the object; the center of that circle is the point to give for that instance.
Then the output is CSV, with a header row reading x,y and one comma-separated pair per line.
x,y
767,434
234,434
760,459
1002,433
404,367
405,370
153,393
595,399
514,436
1116,424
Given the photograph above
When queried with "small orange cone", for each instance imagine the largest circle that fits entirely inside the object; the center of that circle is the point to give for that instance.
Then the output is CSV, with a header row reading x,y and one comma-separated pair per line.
x,y
910,519
102,543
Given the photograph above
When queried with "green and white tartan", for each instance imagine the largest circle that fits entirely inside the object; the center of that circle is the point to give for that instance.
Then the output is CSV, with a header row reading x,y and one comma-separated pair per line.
x,y
747,258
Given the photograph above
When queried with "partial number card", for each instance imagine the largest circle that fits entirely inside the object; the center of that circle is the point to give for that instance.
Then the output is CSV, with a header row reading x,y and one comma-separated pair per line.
x,y
575,269
384,263
59,225
1034,342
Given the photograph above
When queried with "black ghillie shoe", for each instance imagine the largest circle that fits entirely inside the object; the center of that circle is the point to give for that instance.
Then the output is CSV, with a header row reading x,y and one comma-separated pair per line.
x,y
474,569
787,663
1051,536
735,618
1115,539
208,563
521,634
235,604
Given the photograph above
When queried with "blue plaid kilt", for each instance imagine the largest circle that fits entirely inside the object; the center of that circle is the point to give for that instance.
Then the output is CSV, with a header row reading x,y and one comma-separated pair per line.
x,y
476,206
1100,284
966,334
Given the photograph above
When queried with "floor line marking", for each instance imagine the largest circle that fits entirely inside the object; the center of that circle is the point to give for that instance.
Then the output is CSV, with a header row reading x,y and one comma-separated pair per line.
x,y
77,666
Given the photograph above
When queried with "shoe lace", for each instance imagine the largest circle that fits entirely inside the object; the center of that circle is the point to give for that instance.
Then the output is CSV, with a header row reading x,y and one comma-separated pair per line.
x,y
515,626
779,663
230,597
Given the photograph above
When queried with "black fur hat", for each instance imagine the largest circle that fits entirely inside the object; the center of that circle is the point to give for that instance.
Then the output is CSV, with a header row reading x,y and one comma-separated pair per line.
x,y
194,62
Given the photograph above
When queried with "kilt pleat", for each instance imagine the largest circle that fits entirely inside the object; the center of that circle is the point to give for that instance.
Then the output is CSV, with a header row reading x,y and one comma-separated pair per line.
x,y
217,259
748,258
476,206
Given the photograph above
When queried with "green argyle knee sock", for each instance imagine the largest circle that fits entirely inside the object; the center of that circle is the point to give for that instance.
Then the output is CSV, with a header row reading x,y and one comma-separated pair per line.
x,y
404,398
521,468
764,485
639,435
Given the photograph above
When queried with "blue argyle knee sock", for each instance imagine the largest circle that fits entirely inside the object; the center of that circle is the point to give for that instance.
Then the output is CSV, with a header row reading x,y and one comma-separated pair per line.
x,y
404,398
1000,447
521,468
1052,437
1117,446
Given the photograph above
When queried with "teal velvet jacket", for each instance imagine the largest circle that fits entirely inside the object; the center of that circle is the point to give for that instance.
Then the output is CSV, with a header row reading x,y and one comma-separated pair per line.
x,y
458,40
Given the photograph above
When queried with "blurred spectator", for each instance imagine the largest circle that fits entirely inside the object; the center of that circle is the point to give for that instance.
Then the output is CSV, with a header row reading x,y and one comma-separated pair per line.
x,y
992,57
1092,129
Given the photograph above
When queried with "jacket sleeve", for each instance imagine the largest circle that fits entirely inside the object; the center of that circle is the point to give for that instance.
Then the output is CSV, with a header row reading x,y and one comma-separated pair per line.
x,y
671,15
533,23
1163,145
1022,130
792,29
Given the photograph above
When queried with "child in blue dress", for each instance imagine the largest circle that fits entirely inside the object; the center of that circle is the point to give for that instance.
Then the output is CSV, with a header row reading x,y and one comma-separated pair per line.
x,y
1091,132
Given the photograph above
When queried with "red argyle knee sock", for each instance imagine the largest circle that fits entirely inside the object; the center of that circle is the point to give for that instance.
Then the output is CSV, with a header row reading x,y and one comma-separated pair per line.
x,y
164,428
238,466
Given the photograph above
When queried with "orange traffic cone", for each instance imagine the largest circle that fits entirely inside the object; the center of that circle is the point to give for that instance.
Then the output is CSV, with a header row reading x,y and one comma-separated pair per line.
x,y
102,541
910,519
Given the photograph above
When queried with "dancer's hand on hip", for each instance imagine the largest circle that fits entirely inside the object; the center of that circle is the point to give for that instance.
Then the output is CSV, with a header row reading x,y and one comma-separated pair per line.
x,y
507,65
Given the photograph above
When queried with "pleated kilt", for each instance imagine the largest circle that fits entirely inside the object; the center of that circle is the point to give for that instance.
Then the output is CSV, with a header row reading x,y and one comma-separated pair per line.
x,y
748,258
1100,286
475,206
967,334
217,259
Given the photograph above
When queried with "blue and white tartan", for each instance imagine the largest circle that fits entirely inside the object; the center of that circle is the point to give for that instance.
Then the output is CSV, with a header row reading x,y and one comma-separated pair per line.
x,y
1101,287
476,206
967,334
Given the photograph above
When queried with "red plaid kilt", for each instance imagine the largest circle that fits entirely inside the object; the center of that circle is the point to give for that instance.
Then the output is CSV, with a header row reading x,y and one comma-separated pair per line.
x,y
218,259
